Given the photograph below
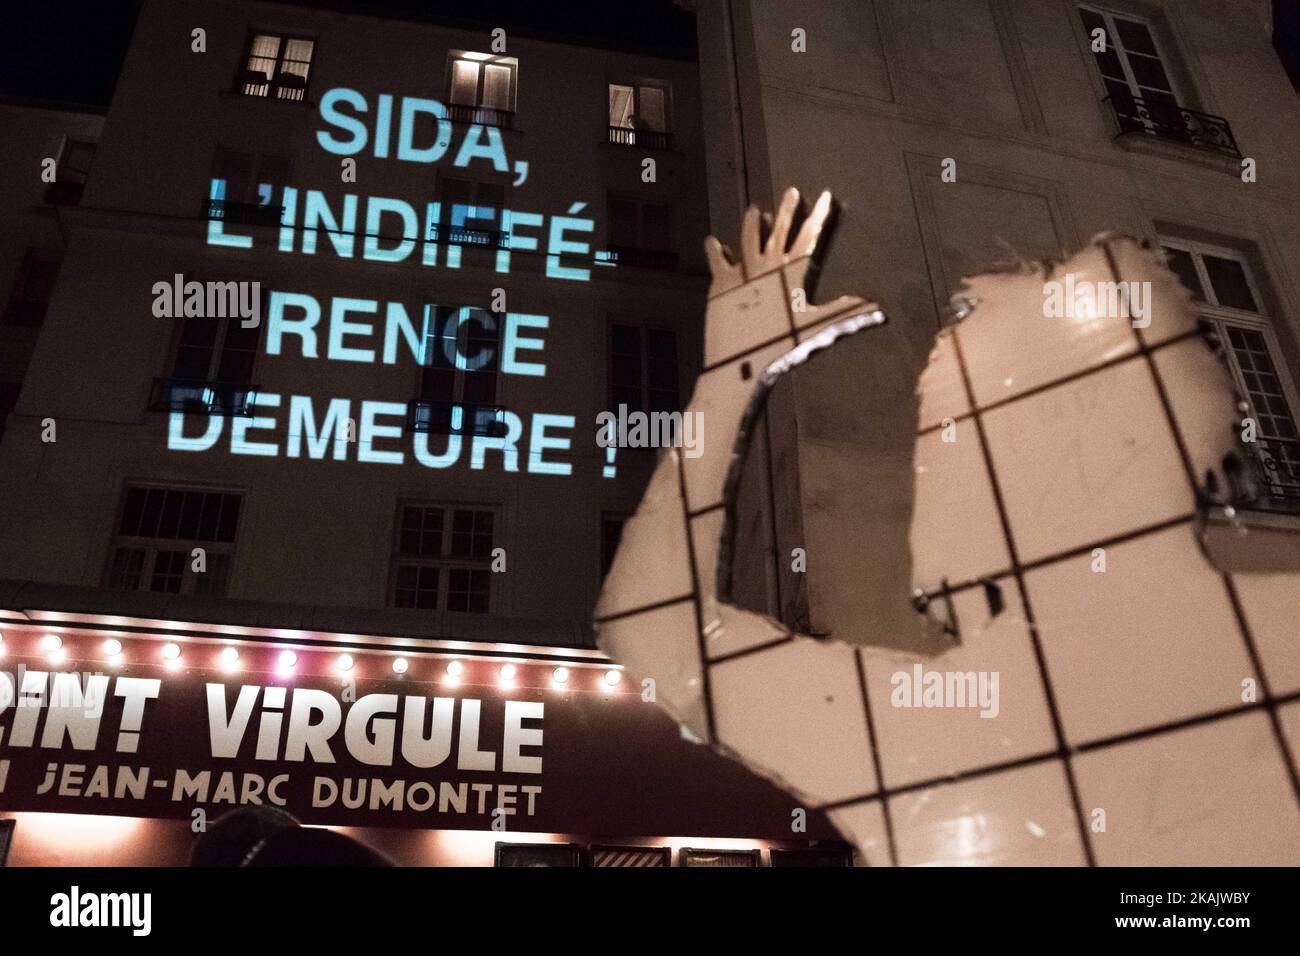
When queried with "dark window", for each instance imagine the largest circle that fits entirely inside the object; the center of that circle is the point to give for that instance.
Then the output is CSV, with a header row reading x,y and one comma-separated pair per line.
x,y
643,369
33,289
212,370
538,854
72,171
156,536
1230,305
838,854
611,533
639,225
246,187
8,402
458,381
1130,65
473,212
443,558
276,67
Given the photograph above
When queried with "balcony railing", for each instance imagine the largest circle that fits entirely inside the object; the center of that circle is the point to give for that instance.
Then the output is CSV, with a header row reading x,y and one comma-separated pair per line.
x,y
649,138
1173,122
287,86
197,397
242,213
1270,480
456,418
643,258
481,116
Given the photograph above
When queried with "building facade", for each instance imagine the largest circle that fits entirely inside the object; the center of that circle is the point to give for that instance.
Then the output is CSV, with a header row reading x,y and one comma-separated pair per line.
x,y
503,541
966,137
307,419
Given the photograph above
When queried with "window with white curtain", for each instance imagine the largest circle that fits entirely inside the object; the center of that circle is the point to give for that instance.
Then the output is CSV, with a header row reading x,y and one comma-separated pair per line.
x,y
277,66
483,86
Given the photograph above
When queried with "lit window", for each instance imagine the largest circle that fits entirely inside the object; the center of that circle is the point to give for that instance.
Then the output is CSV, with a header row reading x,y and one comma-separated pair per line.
x,y
157,533
638,114
482,89
276,67
458,380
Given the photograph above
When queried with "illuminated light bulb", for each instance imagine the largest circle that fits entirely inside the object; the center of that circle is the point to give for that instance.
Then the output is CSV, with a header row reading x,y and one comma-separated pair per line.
x,y
229,657
287,660
400,665
560,675
51,642
508,672
171,652
613,678
344,663
455,669
112,647
58,656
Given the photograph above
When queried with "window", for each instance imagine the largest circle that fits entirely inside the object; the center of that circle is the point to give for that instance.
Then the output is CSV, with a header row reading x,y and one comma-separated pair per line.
x,y
473,211
247,188
1229,301
276,67
638,225
33,288
482,89
638,115
8,401
443,558
1131,64
71,172
458,380
212,372
538,854
1140,83
835,854
158,530
643,369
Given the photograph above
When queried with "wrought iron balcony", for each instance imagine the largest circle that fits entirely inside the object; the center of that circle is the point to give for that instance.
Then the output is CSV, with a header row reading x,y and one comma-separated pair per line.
x,y
285,86
198,397
481,116
242,213
446,235
649,138
664,259
456,418
1270,479
1173,122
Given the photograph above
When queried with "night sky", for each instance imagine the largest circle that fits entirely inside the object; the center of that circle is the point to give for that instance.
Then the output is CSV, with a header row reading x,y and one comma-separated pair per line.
x,y
70,51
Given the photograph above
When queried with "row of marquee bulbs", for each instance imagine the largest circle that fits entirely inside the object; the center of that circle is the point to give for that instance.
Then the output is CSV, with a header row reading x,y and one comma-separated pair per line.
x,y
53,647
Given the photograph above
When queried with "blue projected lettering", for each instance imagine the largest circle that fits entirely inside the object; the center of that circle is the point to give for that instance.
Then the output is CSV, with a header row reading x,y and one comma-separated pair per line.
x,y
462,337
